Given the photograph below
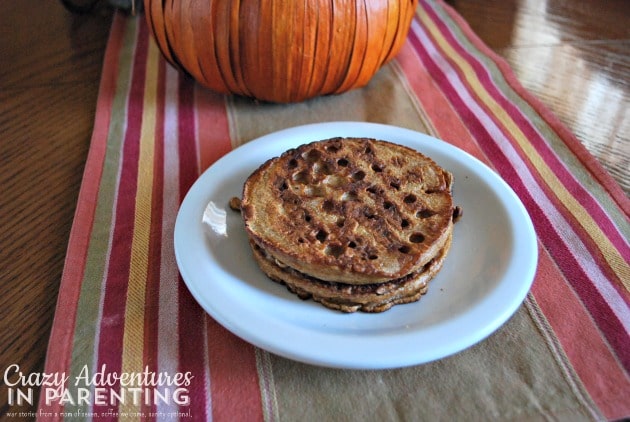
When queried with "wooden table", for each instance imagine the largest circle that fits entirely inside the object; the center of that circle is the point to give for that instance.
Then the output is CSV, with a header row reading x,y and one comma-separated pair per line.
x,y
572,55
575,57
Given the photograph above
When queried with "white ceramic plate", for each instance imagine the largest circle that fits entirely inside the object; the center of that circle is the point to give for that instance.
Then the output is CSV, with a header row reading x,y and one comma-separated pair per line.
x,y
485,278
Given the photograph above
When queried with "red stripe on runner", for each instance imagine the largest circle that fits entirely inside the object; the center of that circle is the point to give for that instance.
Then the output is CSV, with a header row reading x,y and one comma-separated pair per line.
x,y
190,313
213,127
233,359
594,363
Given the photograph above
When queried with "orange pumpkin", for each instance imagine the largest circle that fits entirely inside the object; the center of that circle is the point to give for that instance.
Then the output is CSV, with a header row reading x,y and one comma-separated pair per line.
x,y
280,50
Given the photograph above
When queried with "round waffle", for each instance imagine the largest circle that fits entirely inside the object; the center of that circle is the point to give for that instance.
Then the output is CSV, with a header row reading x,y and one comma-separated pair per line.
x,y
350,210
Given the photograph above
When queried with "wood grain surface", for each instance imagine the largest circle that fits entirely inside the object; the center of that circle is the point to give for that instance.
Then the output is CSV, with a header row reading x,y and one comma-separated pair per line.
x,y
49,74
573,55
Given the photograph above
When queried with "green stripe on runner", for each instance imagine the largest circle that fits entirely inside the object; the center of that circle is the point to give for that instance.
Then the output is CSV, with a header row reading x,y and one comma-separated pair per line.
x,y
88,309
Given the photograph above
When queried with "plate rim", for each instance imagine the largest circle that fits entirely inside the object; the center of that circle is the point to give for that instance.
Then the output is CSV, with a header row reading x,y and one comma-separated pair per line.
x,y
347,128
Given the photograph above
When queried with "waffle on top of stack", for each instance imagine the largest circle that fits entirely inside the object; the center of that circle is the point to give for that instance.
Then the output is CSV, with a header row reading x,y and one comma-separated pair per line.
x,y
353,223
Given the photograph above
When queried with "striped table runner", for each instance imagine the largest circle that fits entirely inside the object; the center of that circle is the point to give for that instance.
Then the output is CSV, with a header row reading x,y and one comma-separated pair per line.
x,y
126,322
